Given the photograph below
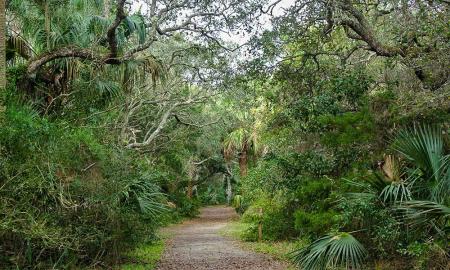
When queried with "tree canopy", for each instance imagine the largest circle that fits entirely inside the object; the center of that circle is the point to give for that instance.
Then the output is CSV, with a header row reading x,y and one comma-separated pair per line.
x,y
327,121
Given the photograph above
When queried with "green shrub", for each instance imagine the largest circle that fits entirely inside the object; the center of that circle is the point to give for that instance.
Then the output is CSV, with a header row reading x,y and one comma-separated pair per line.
x,y
276,219
380,230
348,128
315,193
68,197
314,224
314,217
240,204
316,163
185,207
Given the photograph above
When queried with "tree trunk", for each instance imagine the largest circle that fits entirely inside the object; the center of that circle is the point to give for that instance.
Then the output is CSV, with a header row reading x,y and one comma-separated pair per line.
x,y
229,190
190,189
2,44
243,163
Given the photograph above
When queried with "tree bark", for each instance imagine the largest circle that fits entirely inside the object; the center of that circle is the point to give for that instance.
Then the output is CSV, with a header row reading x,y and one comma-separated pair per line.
x,y
36,63
111,33
2,44
190,189
229,189
243,162
364,32
149,137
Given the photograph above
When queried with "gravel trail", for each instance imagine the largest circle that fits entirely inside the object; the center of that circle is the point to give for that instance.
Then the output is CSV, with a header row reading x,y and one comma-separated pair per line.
x,y
197,244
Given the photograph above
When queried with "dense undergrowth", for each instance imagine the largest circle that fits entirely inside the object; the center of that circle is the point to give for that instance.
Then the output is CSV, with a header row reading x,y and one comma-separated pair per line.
x,y
338,170
70,195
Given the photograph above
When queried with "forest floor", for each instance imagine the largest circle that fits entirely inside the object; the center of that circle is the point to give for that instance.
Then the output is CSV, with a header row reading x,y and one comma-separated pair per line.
x,y
197,244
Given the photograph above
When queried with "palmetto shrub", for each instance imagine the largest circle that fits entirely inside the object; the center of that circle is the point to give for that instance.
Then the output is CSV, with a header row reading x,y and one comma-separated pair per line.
x,y
332,250
410,194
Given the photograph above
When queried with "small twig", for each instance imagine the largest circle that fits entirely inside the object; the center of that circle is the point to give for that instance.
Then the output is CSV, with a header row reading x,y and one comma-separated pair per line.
x,y
88,167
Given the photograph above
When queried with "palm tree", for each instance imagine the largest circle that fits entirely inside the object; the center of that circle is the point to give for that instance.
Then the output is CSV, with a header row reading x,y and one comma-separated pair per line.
x,y
243,143
47,26
2,44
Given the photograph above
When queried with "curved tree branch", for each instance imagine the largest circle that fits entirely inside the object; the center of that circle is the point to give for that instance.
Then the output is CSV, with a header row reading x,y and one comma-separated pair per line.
x,y
42,59
364,32
111,58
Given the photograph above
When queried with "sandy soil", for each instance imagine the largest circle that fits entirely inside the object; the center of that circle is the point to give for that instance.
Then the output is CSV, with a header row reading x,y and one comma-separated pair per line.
x,y
197,244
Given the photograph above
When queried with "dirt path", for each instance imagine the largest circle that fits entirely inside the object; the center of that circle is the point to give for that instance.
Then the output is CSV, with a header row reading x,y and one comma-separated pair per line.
x,y
197,244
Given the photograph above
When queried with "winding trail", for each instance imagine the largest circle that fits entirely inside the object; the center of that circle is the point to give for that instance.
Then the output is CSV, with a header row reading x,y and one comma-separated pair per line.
x,y
197,244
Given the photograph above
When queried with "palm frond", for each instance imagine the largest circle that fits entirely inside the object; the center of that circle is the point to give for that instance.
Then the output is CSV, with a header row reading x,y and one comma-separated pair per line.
x,y
401,189
426,214
421,145
392,168
236,141
145,195
333,250
369,192
424,147
107,89
135,24
378,183
396,192
17,45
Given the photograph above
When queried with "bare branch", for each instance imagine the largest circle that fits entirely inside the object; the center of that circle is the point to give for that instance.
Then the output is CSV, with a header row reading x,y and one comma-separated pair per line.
x,y
200,162
150,136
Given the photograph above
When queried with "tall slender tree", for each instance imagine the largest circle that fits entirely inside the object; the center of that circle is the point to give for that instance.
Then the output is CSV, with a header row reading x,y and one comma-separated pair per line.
x,y
243,143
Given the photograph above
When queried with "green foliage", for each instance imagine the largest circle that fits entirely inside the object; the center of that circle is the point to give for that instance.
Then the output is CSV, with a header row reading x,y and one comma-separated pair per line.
x,y
428,215
239,204
213,193
266,176
316,105
144,256
185,207
66,196
316,191
424,147
426,255
314,217
333,250
316,163
348,128
350,86
314,224
276,219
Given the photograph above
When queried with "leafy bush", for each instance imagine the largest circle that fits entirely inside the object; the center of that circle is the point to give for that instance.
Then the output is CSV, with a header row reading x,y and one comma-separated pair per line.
x,y
185,207
314,224
314,217
239,204
381,231
276,219
348,128
68,198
